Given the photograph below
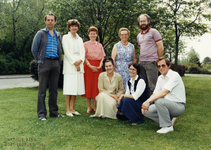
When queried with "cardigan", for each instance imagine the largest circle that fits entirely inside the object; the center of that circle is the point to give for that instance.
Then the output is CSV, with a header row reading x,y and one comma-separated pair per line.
x,y
69,57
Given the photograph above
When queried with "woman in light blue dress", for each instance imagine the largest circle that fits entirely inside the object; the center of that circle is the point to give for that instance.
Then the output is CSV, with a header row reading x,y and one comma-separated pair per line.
x,y
123,53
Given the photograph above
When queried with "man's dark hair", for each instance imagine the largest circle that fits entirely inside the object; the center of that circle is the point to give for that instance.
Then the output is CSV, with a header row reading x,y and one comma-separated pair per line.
x,y
50,14
168,63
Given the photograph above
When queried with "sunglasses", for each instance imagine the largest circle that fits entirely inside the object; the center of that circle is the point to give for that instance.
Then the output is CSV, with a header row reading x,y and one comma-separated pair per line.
x,y
163,66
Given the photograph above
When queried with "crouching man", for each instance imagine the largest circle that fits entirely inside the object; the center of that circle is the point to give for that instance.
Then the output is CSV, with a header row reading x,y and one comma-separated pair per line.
x,y
168,97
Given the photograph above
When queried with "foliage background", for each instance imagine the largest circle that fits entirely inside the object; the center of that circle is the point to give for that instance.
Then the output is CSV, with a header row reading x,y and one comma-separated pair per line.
x,y
21,19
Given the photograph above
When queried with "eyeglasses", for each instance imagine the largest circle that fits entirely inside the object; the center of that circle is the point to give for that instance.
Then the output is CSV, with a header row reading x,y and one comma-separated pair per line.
x,y
163,66
132,69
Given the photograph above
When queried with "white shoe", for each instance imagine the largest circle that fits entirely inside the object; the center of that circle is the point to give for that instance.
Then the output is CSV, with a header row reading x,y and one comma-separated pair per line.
x,y
76,113
69,114
174,120
164,130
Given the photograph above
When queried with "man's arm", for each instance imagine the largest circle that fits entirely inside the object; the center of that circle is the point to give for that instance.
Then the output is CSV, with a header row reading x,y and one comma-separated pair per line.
x,y
160,48
152,98
36,44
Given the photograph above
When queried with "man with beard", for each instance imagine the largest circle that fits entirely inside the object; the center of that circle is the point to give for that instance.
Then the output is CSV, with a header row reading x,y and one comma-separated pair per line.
x,y
151,48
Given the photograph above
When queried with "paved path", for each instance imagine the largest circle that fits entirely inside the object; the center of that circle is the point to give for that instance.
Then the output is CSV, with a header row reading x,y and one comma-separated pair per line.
x,y
13,81
197,74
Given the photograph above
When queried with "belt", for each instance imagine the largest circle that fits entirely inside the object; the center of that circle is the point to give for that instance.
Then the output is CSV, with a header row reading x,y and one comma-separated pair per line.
x,y
52,58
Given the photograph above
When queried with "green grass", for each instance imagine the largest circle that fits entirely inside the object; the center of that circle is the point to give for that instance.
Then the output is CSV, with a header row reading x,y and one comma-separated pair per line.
x,y
20,125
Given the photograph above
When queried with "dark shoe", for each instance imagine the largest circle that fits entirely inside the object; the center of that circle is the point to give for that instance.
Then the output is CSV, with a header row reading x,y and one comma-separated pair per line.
x,y
58,115
42,118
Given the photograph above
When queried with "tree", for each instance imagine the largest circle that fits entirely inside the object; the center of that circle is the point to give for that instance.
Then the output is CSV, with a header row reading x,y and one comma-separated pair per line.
x,y
193,57
207,59
186,18
21,21
107,15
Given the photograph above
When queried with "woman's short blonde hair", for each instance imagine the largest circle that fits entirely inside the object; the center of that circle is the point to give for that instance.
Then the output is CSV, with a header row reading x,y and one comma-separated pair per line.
x,y
72,22
124,29
92,28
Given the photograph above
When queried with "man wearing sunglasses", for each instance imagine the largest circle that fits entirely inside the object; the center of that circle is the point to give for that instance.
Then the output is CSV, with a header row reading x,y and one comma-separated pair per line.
x,y
168,97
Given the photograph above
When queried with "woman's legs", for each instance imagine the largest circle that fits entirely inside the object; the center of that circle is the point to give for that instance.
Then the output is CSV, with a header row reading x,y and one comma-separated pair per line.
x,y
88,101
67,99
94,102
72,103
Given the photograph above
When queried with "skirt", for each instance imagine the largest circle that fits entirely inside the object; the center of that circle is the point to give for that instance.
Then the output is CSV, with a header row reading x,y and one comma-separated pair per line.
x,y
106,106
131,109
74,84
91,79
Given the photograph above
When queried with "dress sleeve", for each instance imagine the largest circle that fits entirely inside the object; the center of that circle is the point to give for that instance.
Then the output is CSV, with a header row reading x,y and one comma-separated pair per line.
x,y
101,84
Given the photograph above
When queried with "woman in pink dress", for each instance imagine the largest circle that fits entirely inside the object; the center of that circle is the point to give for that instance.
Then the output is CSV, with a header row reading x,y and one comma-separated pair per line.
x,y
94,54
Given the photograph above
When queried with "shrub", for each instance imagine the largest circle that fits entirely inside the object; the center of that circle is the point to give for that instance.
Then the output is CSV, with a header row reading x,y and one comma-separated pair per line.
x,y
205,70
13,67
194,69
180,69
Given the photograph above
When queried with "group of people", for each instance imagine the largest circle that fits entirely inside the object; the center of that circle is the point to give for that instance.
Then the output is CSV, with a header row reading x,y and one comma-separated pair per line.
x,y
126,90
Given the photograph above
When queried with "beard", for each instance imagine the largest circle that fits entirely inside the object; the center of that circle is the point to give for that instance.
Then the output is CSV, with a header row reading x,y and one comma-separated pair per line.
x,y
144,27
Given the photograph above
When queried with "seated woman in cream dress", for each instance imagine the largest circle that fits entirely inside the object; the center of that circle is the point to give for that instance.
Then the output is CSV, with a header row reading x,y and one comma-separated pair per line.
x,y
110,85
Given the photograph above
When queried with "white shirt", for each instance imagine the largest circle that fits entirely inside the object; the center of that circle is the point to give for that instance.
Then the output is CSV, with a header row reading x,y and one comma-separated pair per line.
x,y
139,88
174,84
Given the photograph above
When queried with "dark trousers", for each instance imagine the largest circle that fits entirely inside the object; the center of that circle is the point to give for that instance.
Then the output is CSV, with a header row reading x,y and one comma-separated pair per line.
x,y
151,72
48,73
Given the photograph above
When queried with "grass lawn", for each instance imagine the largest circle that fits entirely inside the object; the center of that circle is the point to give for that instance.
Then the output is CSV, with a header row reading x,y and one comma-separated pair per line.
x,y
21,129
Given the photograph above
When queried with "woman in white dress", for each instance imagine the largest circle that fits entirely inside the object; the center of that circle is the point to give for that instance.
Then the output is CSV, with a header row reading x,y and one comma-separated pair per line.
x,y
73,70
110,85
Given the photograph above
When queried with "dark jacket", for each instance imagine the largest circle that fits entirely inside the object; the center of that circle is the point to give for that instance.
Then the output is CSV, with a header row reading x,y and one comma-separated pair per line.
x,y
39,45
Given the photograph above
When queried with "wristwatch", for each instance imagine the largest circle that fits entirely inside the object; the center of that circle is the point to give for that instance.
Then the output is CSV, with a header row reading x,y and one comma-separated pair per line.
x,y
148,101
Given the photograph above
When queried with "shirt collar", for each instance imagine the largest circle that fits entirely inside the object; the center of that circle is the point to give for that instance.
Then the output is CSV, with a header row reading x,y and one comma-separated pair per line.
x,y
168,74
145,32
72,35
54,31
114,76
134,80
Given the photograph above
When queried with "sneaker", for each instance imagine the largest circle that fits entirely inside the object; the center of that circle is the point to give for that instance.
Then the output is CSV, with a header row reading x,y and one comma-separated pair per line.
x,y
58,115
164,130
42,118
174,120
